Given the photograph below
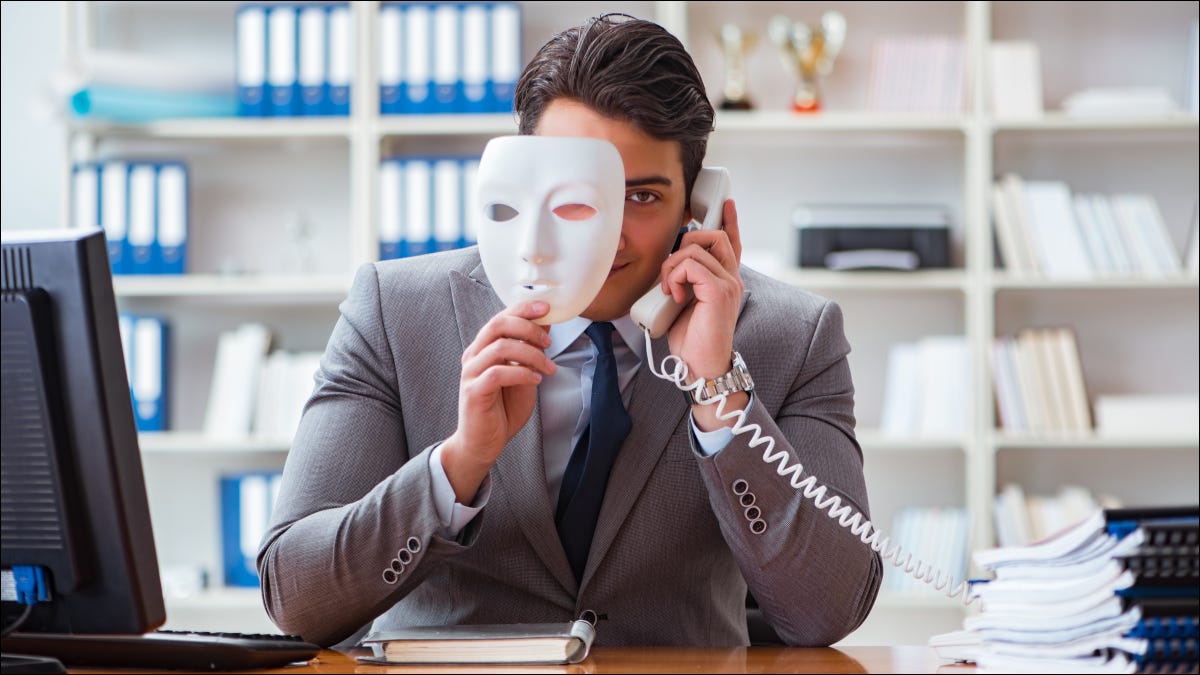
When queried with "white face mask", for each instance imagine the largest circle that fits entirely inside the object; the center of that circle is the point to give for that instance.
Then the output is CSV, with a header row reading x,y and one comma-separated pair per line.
x,y
551,208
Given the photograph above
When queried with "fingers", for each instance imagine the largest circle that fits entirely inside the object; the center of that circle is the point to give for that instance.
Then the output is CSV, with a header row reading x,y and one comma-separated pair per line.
x,y
514,323
508,352
508,343
731,228
700,263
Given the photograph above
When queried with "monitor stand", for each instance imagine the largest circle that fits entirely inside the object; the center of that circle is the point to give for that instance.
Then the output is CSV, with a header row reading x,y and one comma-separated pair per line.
x,y
18,663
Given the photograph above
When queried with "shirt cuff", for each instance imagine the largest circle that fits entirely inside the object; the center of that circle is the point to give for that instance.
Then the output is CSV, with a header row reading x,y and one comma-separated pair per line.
x,y
712,442
453,516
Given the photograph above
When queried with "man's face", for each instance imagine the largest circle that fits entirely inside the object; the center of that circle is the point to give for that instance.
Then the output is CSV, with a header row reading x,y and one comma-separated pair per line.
x,y
654,201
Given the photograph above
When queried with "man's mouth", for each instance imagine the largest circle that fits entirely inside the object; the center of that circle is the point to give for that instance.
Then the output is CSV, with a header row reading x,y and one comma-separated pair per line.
x,y
617,268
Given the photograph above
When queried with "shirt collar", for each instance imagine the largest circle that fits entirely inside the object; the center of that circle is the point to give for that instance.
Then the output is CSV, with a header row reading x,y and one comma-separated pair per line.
x,y
563,335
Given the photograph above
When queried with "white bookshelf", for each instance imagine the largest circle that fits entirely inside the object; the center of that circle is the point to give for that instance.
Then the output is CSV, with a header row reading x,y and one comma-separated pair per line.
x,y
1136,335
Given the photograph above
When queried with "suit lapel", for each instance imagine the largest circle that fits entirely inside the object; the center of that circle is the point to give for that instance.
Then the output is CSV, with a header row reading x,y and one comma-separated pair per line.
x,y
519,474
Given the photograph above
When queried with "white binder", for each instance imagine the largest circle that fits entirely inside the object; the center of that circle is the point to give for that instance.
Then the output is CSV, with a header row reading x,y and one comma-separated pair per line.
x,y
282,61
506,54
114,213
341,59
311,76
172,218
391,59
251,58
390,195
475,53
418,208
447,204
447,78
418,27
143,254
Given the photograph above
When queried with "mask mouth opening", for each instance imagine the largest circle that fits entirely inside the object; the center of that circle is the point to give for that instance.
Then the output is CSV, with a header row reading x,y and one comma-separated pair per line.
x,y
536,287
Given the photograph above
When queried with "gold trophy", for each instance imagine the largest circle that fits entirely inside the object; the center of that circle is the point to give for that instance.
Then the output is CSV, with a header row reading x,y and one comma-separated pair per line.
x,y
809,53
736,43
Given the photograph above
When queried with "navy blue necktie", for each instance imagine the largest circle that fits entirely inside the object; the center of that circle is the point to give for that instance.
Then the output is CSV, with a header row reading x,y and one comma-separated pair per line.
x,y
587,471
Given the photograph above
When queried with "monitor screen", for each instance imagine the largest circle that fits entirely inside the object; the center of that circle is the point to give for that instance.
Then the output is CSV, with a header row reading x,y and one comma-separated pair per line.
x,y
74,499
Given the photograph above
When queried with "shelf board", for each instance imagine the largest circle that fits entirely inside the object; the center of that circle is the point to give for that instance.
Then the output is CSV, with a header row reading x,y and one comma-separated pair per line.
x,y
1093,441
1058,121
232,128
920,280
1006,282
859,121
179,442
874,441
487,124
274,288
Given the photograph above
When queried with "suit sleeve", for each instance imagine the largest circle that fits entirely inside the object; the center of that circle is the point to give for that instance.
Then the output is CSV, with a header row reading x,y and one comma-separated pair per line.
x,y
354,496
814,580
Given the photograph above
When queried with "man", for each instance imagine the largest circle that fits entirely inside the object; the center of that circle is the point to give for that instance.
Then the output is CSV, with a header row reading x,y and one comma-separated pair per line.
x,y
408,500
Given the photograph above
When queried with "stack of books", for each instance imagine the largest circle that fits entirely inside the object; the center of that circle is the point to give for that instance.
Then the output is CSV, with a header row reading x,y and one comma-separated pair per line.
x,y
1040,387
1117,593
1043,229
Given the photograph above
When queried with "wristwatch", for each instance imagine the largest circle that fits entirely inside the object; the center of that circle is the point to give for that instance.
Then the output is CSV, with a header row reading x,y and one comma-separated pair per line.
x,y
737,379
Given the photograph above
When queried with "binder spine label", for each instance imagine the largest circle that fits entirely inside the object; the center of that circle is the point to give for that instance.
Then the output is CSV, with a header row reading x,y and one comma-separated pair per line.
x,y
341,59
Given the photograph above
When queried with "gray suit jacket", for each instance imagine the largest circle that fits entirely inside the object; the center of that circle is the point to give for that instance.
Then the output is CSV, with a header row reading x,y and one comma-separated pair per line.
x,y
673,549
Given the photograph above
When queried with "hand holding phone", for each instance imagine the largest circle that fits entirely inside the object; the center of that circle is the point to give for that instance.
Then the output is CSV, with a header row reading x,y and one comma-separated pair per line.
x,y
656,311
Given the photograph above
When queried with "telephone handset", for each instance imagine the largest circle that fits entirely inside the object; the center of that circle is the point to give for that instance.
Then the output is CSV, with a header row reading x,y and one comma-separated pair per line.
x,y
656,311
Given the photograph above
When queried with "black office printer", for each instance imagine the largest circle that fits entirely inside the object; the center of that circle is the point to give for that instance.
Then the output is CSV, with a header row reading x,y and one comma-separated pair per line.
x,y
873,236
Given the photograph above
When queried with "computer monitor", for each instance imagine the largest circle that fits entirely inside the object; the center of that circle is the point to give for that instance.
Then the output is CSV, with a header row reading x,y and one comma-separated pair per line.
x,y
74,499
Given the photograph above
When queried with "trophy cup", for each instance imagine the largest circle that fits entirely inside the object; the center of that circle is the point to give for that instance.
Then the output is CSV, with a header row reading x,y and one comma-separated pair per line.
x,y
735,45
809,53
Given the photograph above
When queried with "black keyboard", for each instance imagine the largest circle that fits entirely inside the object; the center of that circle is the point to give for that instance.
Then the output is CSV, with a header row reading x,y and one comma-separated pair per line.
x,y
166,649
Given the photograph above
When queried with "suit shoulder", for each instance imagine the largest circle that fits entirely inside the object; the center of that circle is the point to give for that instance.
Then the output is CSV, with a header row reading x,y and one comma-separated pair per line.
x,y
420,271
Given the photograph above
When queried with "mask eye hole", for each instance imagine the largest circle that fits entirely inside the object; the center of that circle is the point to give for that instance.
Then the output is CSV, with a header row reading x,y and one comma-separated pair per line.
x,y
499,213
574,212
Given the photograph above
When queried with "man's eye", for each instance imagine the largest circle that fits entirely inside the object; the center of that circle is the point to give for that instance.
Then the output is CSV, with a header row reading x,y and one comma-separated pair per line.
x,y
642,197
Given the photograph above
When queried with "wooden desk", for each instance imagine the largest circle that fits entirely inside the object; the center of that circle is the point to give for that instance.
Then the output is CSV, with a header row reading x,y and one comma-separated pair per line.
x,y
672,660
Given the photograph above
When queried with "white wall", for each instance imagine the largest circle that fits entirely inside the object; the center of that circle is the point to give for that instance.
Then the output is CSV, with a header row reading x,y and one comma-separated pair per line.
x,y
32,145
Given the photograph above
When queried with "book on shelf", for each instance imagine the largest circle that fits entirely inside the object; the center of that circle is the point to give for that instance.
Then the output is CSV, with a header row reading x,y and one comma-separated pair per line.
x,y
1021,519
1141,415
1120,101
1039,383
285,385
1115,592
926,393
1015,74
1042,228
917,74
938,537
529,643
237,369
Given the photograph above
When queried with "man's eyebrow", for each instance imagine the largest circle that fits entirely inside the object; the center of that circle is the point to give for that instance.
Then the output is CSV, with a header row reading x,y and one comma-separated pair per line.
x,y
648,180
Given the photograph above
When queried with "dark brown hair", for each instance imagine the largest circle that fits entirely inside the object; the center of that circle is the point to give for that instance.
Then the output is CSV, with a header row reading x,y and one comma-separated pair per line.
x,y
626,69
